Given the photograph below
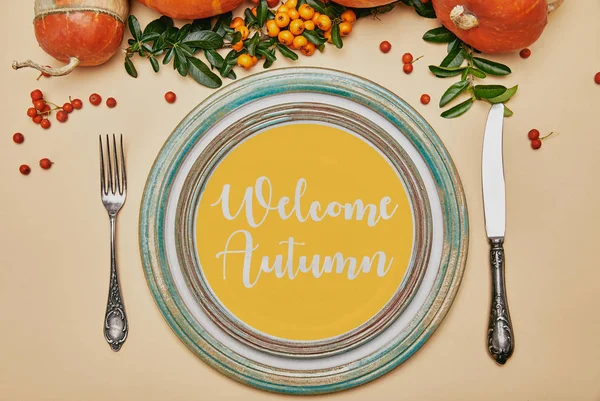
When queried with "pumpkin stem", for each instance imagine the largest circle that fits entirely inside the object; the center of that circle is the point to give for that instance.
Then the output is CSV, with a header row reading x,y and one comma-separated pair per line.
x,y
553,5
55,72
463,19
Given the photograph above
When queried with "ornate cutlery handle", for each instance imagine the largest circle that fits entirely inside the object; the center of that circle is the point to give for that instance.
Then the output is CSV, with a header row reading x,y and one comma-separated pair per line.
x,y
115,320
500,332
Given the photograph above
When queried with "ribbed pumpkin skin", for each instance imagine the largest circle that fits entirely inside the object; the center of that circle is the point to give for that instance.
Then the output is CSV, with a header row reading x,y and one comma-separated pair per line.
x,y
192,9
504,26
91,30
364,3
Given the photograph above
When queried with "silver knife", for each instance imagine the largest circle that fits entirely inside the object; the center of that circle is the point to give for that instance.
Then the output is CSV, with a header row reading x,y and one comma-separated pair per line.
x,y
500,332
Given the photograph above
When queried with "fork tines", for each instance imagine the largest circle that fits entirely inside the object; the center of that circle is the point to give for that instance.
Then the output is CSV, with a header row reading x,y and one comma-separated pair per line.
x,y
112,172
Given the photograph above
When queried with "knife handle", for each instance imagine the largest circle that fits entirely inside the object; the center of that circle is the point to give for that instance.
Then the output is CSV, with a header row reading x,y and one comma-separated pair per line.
x,y
500,332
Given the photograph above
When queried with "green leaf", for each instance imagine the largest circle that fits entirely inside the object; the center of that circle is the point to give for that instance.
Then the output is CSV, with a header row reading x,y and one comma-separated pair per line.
x,y
155,65
314,37
169,56
183,32
285,51
458,110
158,26
150,37
465,74
444,72
336,38
181,63
262,11
488,91
226,70
214,58
202,74
250,19
454,59
252,43
268,54
170,35
491,67
507,112
203,40
185,49
439,35
134,27
223,21
201,24
505,97
454,44
478,73
130,68
317,5
453,92
424,9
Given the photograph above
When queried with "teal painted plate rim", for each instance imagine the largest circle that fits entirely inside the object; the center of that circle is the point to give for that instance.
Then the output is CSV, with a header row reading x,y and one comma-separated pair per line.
x,y
320,81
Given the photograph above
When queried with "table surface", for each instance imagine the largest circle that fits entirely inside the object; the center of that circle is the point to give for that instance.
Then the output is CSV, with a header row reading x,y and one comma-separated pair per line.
x,y
54,259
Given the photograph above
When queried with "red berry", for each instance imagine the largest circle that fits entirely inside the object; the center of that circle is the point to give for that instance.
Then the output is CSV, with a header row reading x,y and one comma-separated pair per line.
x,y
18,137
385,46
170,97
95,99
533,134
46,110
24,169
408,68
39,105
45,123
525,53
77,104
425,1
46,74
31,112
111,102
37,119
425,98
62,116
45,163
597,78
407,58
36,95
68,107
536,144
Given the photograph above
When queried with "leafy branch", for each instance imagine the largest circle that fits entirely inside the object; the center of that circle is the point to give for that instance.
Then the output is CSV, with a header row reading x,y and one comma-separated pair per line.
x,y
461,60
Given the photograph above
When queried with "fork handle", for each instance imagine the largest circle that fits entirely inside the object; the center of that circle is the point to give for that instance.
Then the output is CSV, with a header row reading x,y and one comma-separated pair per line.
x,y
115,320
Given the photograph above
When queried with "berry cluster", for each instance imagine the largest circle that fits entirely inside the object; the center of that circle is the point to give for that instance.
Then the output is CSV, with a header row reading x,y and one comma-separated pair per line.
x,y
534,137
408,61
42,109
287,26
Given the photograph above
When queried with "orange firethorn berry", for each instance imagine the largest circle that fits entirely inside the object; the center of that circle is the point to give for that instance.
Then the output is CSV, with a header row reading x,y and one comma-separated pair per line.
x,y
297,27
272,28
349,16
238,46
300,42
345,28
309,49
306,12
245,61
324,23
237,21
286,38
244,31
309,25
282,19
294,14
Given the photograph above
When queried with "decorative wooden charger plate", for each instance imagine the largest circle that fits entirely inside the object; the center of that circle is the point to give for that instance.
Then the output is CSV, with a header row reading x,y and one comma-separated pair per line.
x,y
303,231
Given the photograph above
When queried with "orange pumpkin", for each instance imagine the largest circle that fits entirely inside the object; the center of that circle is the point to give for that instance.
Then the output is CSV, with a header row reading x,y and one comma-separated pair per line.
x,y
495,26
192,9
78,32
364,3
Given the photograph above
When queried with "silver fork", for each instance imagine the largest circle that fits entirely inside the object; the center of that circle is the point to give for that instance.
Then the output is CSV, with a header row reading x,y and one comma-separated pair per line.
x,y
113,189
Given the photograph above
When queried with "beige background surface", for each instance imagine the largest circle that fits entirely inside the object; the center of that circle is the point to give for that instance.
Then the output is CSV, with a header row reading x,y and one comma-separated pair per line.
x,y
54,261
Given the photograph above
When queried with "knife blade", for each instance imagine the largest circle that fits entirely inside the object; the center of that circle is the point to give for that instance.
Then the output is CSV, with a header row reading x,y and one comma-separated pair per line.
x,y
500,331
